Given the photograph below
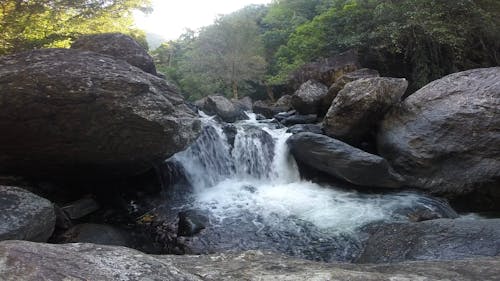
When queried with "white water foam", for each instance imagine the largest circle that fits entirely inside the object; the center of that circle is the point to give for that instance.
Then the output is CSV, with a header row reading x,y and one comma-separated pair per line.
x,y
247,179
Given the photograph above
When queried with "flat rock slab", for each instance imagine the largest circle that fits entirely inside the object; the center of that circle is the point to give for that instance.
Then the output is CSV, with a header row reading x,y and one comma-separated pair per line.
x,y
24,215
31,261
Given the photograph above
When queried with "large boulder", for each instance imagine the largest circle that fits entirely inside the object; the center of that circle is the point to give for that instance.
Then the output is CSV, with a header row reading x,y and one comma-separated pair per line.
x,y
119,46
339,84
31,261
343,161
445,138
358,108
72,113
24,215
284,102
440,239
307,99
222,107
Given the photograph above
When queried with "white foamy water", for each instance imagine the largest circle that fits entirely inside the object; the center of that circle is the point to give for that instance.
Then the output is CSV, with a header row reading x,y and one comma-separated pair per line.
x,y
258,176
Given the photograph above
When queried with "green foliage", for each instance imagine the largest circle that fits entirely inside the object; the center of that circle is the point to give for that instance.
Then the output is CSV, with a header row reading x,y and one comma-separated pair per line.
x,y
420,39
55,23
218,60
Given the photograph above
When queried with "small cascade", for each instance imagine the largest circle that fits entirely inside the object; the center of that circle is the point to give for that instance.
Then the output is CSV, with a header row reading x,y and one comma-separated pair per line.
x,y
253,195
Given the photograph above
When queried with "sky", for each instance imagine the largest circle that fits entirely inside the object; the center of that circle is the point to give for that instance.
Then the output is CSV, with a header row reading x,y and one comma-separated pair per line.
x,y
170,18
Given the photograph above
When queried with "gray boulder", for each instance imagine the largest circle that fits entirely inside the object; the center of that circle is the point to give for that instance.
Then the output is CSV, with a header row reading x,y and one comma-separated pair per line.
x,y
339,84
445,138
343,161
71,113
31,261
359,107
244,104
307,99
440,239
284,102
119,46
24,215
222,107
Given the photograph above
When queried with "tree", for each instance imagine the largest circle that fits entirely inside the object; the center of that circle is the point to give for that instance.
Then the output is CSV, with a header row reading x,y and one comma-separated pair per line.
x,y
229,52
29,24
418,39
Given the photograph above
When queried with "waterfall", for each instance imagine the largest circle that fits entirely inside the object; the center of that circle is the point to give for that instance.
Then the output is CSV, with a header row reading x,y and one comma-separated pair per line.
x,y
245,179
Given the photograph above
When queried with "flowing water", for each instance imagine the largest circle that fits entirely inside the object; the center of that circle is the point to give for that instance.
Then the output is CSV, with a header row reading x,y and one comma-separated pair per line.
x,y
244,179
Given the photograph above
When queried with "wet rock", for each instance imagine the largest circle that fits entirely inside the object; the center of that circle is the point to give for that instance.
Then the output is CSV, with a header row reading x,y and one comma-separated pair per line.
x,y
440,239
97,234
305,128
191,223
119,46
32,262
267,108
307,99
230,131
343,161
445,138
339,84
283,115
80,208
299,119
76,114
24,215
360,106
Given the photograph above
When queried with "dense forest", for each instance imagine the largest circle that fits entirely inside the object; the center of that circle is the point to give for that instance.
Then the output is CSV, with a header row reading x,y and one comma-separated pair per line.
x,y
260,46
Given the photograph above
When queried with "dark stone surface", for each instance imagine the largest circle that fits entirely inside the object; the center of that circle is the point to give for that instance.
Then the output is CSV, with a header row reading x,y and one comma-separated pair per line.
x,y
267,108
76,114
119,46
24,215
445,138
299,119
80,208
191,223
96,234
305,128
307,99
440,239
359,107
343,161
32,262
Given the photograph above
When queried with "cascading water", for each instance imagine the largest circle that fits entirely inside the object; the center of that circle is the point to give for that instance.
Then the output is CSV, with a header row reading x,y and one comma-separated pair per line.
x,y
251,191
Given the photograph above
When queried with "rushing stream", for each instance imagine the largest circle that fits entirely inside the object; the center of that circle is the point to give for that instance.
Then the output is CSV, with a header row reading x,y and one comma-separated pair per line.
x,y
243,178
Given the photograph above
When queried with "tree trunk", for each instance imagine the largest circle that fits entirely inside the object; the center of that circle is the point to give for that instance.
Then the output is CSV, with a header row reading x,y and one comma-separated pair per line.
x,y
235,90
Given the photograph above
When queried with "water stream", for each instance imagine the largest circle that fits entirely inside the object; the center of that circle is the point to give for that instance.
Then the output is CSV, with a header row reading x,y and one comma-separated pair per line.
x,y
244,179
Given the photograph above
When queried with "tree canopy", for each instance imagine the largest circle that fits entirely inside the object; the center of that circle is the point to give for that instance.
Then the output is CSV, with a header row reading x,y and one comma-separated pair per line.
x,y
30,24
